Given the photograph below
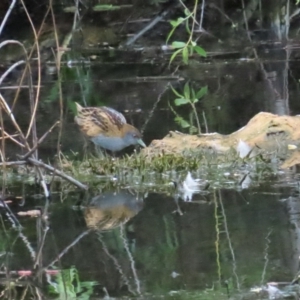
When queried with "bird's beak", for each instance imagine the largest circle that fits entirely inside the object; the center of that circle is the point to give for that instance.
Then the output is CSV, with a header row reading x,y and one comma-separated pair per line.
x,y
141,143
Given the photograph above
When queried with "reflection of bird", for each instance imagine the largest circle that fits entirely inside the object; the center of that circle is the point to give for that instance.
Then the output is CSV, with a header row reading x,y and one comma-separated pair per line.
x,y
112,209
107,128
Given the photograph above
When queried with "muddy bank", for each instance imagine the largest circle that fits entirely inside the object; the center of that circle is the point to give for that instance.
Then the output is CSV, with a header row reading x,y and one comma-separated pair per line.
x,y
265,133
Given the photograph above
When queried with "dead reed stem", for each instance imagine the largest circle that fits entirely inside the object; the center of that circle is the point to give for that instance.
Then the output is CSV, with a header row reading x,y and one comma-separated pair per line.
x,y
39,141
34,89
58,57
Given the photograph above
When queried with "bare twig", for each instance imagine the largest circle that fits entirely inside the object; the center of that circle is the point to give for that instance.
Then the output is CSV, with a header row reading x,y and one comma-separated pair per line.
x,y
43,183
150,115
295,13
205,121
11,115
201,16
11,137
58,64
39,141
13,163
14,87
33,116
57,172
156,20
39,68
10,69
43,228
7,15
28,57
2,153
60,255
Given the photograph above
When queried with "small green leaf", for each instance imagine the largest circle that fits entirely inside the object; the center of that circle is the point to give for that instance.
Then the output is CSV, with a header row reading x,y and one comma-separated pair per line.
x,y
193,93
186,91
187,27
174,23
177,45
185,55
177,22
176,93
182,122
201,92
193,96
181,101
193,130
187,11
105,7
174,55
180,20
193,43
200,51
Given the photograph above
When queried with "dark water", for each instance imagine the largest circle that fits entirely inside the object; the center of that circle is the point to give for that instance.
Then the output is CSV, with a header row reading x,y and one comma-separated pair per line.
x,y
152,245
222,242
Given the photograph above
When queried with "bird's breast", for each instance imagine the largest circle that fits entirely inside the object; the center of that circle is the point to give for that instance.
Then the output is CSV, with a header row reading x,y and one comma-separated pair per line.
x,y
109,143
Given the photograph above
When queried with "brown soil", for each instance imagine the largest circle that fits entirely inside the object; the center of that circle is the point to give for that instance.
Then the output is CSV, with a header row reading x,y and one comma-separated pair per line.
x,y
265,131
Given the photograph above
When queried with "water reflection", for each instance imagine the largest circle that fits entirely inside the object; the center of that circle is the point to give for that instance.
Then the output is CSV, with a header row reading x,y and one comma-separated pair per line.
x,y
135,246
188,187
112,209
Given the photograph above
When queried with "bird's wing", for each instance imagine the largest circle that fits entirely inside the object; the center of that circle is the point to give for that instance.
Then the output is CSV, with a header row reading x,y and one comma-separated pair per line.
x,y
94,121
116,117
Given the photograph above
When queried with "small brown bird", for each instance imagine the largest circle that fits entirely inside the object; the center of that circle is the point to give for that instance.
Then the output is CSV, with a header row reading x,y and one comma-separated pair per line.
x,y
107,128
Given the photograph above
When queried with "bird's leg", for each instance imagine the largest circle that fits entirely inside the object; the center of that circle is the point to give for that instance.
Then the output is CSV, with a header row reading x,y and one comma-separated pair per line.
x,y
99,152
85,149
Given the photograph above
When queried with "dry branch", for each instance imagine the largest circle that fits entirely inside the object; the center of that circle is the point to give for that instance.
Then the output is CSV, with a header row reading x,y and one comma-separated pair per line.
x,y
57,172
39,141
13,163
22,140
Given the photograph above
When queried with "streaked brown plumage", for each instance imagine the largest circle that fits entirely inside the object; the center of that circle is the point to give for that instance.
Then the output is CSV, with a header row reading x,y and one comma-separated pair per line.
x,y
107,128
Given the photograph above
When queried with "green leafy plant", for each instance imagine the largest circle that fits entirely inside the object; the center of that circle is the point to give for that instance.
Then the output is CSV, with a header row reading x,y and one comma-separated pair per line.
x,y
186,49
68,286
109,7
190,97
105,7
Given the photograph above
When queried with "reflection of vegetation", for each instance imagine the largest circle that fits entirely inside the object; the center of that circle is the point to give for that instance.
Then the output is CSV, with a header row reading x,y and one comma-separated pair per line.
x,y
189,97
163,254
135,164
141,169
69,286
207,294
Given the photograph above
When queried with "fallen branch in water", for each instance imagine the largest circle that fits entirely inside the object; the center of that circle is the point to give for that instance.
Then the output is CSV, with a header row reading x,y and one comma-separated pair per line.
x,y
13,163
38,163
156,20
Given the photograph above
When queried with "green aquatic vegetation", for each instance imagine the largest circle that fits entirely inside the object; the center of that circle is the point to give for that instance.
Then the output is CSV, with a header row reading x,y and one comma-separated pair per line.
x,y
188,97
138,162
67,285
188,48
150,172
